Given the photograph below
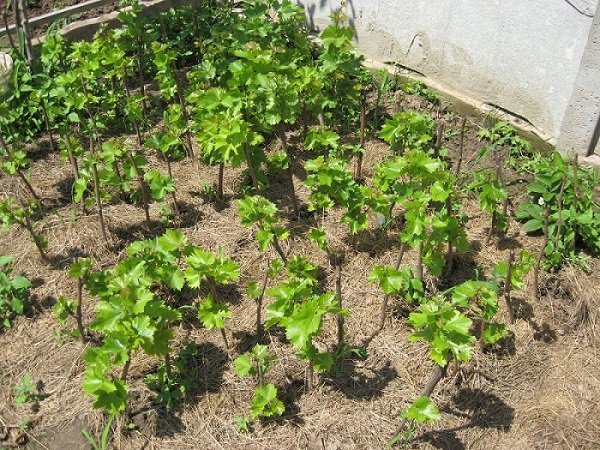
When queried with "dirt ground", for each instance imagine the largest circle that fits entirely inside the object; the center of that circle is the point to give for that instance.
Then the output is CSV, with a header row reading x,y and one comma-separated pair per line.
x,y
538,390
36,8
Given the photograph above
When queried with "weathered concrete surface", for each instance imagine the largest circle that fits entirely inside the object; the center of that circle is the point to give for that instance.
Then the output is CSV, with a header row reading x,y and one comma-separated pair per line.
x,y
581,125
522,56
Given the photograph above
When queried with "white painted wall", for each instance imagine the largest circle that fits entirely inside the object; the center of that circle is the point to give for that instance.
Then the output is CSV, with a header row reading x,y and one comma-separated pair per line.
x,y
521,55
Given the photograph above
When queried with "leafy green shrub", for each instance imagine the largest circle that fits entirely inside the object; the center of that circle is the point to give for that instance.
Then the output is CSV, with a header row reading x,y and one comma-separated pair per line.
x,y
503,135
567,192
408,130
14,292
26,391
264,402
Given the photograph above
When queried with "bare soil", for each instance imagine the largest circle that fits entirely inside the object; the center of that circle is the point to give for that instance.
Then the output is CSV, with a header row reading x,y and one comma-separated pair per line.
x,y
36,8
536,390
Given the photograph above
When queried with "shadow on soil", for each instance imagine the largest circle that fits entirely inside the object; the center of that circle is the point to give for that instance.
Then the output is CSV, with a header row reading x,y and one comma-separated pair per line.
x,y
63,260
200,368
524,310
360,382
482,409
289,395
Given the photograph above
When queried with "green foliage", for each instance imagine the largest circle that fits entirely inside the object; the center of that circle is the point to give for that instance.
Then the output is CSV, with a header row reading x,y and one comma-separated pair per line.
x,y
492,196
305,322
64,308
14,292
22,216
519,269
319,237
167,143
445,328
343,76
408,130
81,268
158,260
179,381
164,58
225,138
402,283
101,444
422,411
14,162
299,308
202,264
503,135
130,316
573,215
427,192
257,210
331,184
26,391
321,140
482,296
264,402
419,88
253,363
212,313
119,170
20,112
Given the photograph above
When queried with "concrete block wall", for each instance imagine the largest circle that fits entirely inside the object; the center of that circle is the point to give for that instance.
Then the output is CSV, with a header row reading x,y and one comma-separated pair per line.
x,y
537,59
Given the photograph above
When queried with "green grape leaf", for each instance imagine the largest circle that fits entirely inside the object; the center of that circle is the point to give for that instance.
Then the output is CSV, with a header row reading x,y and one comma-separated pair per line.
x,y
212,314
422,410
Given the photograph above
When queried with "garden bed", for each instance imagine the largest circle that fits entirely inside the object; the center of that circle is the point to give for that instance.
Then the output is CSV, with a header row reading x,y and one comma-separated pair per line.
x,y
536,388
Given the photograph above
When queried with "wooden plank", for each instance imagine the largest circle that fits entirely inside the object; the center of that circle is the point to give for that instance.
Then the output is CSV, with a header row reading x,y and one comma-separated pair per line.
x,y
59,14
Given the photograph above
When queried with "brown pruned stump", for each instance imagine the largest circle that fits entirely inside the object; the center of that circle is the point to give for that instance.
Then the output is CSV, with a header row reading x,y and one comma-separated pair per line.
x,y
225,343
96,178
259,325
279,250
419,267
47,125
439,139
310,376
140,68
560,202
338,291
384,304
508,287
481,334
437,374
173,196
125,370
167,361
251,170
540,256
450,252
143,188
78,313
28,185
359,158
24,21
290,176
220,178
460,147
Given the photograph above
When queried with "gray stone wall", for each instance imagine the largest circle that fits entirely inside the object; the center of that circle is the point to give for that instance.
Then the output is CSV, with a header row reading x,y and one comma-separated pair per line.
x,y
523,56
